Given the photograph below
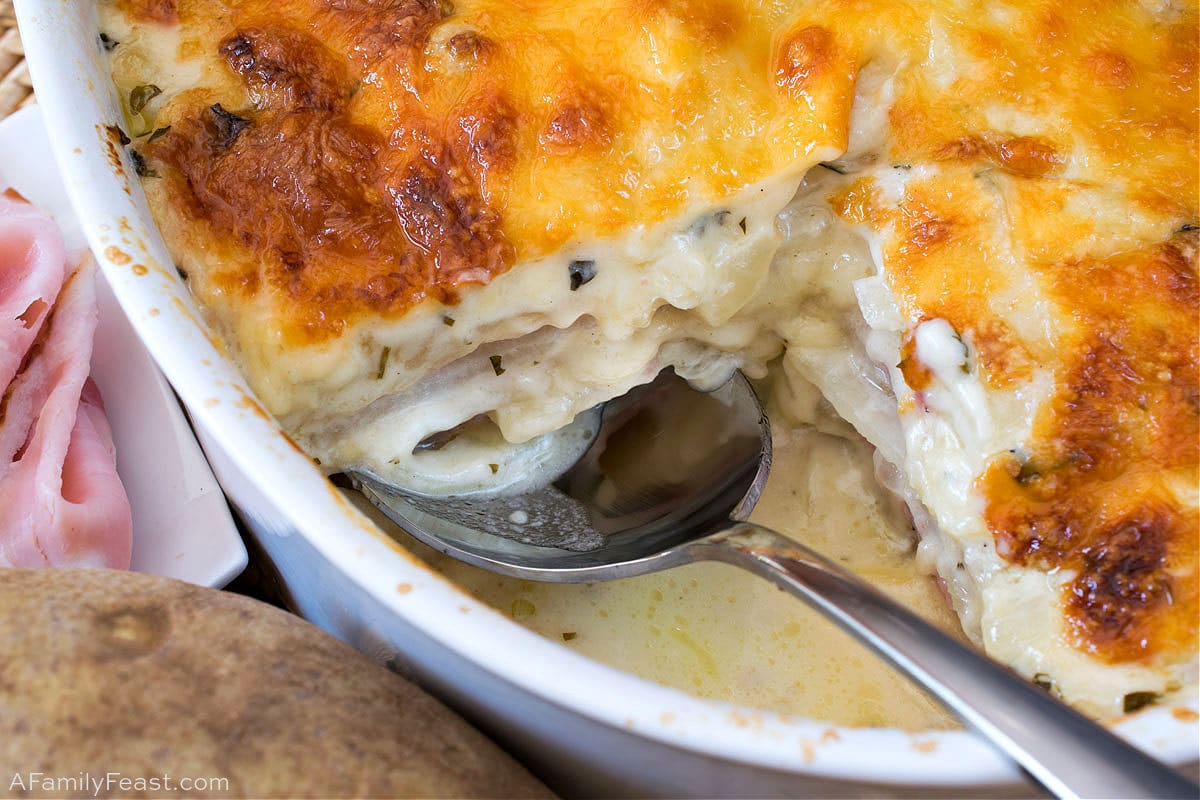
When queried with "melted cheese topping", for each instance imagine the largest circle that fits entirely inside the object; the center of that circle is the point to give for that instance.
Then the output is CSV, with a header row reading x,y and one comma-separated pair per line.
x,y
403,214
388,153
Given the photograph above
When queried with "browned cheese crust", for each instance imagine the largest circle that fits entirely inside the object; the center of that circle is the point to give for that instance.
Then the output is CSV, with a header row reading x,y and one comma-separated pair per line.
x,y
1108,487
381,153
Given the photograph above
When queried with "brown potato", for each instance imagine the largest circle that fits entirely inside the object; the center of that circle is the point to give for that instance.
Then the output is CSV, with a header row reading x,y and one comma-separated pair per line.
x,y
110,672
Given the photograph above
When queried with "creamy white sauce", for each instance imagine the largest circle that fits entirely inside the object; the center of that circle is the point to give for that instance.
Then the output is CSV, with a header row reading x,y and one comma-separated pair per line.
x,y
715,631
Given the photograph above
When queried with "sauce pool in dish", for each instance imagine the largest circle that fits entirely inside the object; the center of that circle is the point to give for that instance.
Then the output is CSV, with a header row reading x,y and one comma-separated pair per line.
x,y
716,632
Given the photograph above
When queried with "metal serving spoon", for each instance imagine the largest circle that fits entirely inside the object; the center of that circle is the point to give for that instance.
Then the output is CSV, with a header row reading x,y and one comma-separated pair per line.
x,y
669,479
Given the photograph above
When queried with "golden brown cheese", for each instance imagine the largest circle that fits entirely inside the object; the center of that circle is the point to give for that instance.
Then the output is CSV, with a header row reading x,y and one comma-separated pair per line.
x,y
1098,493
384,153
1104,95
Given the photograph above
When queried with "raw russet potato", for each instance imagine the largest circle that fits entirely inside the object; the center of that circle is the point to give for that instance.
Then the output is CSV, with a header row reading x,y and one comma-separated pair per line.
x,y
114,672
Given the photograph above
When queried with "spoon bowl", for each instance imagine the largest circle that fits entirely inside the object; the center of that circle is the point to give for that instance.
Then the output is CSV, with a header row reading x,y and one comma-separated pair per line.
x,y
670,478
623,506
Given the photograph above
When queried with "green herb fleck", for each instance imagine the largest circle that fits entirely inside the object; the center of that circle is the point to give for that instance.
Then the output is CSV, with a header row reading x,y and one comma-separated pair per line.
x,y
702,223
141,95
742,224
581,271
316,461
116,132
436,441
499,370
1044,681
448,320
494,468
1028,472
140,166
158,132
964,366
1138,700
107,42
568,635
229,125
383,359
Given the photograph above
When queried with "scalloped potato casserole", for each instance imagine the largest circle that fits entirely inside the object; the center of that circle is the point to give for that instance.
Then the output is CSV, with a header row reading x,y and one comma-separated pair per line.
x,y
966,229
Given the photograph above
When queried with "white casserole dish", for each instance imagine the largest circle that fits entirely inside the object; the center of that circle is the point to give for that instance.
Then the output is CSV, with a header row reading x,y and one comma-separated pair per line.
x,y
586,728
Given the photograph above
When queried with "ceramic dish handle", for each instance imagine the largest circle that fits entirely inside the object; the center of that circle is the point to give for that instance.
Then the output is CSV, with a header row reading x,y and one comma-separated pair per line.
x,y
1060,748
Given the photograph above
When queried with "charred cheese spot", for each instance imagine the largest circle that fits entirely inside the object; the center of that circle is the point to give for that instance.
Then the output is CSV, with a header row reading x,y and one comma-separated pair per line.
x,y
442,212
926,230
286,69
337,220
1026,155
1123,582
1173,267
307,190
928,220
487,133
573,126
469,46
291,184
1095,496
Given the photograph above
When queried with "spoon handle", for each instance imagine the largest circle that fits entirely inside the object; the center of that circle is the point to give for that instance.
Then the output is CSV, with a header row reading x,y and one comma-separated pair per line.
x,y
1063,750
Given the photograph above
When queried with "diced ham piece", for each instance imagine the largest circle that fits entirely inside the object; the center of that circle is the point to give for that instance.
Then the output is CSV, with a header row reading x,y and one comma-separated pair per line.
x,y
61,502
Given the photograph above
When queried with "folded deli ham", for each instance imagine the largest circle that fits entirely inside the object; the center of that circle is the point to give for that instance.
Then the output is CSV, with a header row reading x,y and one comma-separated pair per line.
x,y
61,502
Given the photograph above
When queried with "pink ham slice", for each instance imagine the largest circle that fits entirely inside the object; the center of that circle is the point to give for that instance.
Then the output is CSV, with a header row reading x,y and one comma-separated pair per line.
x,y
61,502
32,269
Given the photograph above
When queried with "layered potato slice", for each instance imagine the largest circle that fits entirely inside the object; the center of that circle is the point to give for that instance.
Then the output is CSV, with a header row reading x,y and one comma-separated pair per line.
x,y
970,226
341,179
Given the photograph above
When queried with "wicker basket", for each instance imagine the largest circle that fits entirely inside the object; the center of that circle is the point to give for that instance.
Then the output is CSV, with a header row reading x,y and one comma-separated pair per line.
x,y
15,88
